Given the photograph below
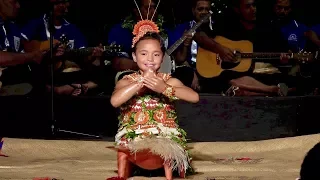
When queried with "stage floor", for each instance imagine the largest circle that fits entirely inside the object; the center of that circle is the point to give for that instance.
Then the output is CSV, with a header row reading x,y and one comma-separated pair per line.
x,y
276,159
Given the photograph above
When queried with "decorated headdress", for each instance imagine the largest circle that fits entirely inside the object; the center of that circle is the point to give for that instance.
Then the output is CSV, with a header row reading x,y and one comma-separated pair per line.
x,y
144,26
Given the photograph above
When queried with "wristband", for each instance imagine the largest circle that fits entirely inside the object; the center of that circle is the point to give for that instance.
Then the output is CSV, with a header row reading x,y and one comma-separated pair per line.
x,y
169,92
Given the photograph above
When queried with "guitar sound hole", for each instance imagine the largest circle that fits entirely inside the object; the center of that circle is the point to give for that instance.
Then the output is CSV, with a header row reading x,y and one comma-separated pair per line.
x,y
229,65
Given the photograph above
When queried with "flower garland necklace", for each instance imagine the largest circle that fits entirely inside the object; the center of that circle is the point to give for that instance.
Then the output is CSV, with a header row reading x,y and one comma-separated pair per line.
x,y
129,24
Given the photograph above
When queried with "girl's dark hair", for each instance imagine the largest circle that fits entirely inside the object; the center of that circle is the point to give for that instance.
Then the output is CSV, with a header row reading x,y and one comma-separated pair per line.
x,y
151,35
310,165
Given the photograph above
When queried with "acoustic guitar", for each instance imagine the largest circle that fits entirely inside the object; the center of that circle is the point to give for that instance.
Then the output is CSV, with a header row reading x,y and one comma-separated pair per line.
x,y
63,41
168,64
35,45
210,65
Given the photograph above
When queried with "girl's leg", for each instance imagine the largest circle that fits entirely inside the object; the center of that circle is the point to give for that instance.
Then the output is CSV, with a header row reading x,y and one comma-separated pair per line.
x,y
124,165
168,171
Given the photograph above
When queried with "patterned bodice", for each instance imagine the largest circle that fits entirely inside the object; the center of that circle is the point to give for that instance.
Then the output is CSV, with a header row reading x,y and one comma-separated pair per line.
x,y
147,109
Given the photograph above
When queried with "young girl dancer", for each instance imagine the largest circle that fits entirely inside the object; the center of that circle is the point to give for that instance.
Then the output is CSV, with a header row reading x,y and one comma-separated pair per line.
x,y
148,134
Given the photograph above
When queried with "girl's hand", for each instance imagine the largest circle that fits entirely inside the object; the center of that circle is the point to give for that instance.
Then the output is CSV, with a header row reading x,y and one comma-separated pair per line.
x,y
155,83
149,73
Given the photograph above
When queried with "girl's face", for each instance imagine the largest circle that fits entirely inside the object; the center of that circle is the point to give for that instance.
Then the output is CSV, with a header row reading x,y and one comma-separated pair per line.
x,y
148,55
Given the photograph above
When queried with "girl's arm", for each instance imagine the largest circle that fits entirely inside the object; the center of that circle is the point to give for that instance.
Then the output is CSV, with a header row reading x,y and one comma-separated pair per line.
x,y
124,91
183,92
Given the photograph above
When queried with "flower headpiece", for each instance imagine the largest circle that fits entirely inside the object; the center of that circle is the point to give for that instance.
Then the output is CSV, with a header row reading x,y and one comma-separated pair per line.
x,y
144,26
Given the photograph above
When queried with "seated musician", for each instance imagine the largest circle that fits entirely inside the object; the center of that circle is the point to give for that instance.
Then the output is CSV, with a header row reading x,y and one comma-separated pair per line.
x,y
237,29
185,55
72,71
14,71
121,33
299,38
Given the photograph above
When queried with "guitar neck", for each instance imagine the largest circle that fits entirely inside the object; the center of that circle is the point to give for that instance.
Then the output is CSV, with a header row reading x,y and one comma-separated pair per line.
x,y
261,56
180,41
81,52
87,51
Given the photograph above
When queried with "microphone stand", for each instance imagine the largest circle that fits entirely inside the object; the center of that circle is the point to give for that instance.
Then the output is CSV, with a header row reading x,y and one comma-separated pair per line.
x,y
54,128
50,27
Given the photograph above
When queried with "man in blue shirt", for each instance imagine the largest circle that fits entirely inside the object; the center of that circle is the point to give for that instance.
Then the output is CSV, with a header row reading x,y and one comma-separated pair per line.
x,y
11,52
39,29
186,54
292,30
298,36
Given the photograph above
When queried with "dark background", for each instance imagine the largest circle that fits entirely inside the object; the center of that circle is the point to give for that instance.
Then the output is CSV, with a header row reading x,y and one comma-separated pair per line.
x,y
32,117
94,17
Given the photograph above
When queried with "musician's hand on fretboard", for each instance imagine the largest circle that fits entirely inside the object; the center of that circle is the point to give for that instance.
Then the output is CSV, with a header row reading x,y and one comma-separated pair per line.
x,y
97,51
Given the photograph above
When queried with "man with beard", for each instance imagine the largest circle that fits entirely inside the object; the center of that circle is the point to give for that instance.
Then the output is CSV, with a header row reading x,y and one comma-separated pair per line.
x,y
233,29
186,54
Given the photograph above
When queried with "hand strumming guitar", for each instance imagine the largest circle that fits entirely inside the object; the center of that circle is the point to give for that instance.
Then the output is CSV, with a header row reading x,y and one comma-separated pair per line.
x,y
60,51
226,54
96,55
284,58
37,56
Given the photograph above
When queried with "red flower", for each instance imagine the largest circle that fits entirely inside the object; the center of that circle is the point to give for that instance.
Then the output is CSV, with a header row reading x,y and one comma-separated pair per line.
x,y
141,117
160,116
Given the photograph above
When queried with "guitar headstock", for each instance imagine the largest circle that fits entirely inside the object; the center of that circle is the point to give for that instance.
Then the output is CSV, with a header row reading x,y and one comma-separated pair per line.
x,y
64,41
113,48
219,7
305,57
